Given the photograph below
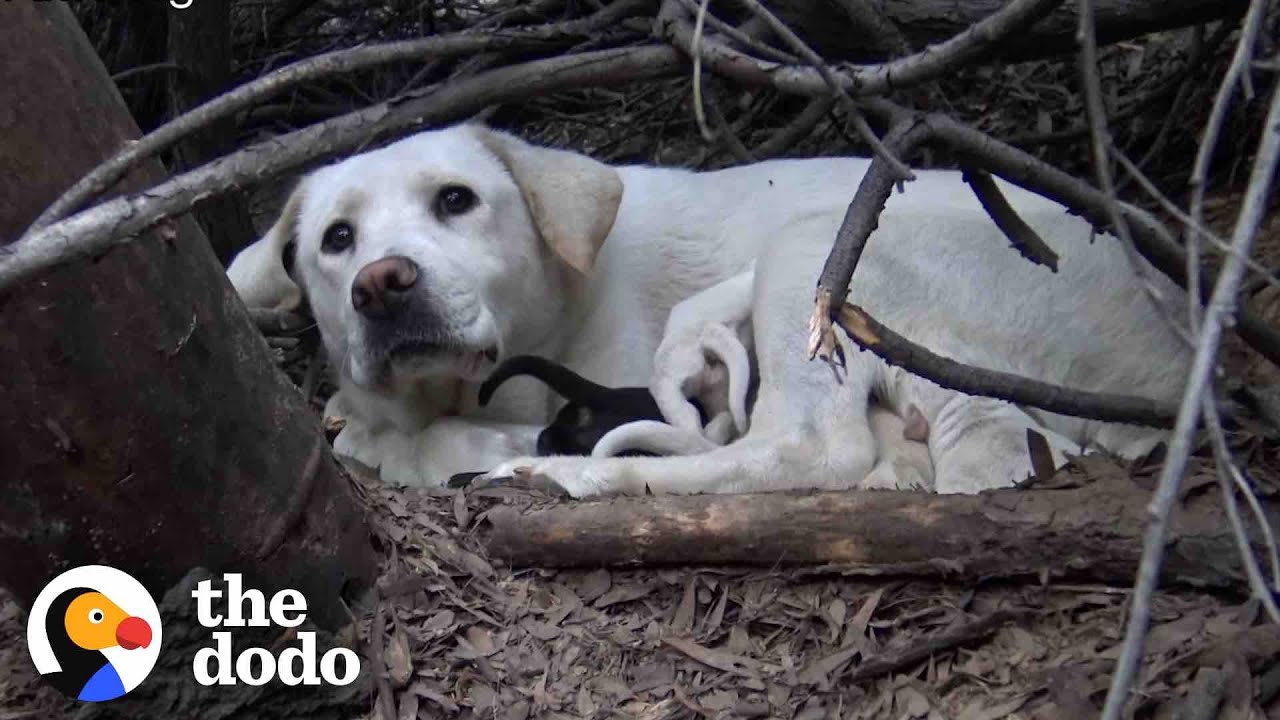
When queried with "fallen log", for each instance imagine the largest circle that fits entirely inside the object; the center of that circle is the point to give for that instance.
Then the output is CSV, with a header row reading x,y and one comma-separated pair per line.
x,y
1091,532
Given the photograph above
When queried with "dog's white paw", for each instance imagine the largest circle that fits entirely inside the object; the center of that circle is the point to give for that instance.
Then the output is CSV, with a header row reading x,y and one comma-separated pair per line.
x,y
580,477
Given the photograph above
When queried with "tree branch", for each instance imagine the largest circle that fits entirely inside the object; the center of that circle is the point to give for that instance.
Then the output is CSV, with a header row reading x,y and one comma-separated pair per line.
x,y
103,177
115,222
923,66
894,349
1220,306
1025,240
1092,531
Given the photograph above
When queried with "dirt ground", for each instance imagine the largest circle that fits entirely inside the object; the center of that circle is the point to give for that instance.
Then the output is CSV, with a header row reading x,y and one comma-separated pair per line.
x,y
458,635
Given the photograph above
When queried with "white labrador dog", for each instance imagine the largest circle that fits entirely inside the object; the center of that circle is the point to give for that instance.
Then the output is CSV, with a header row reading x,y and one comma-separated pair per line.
x,y
429,260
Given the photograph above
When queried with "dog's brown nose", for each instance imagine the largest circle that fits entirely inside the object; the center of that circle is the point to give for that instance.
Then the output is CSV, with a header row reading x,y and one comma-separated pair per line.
x,y
381,287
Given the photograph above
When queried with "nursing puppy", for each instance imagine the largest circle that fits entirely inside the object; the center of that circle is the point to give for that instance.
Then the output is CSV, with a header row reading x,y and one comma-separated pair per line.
x,y
591,412
429,261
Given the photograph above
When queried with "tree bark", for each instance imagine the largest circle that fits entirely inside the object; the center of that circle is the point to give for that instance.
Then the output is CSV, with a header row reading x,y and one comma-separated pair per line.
x,y
827,26
144,424
1092,532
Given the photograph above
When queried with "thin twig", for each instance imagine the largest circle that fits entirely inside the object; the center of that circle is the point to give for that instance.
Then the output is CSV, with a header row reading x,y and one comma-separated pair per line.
x,y
1150,235
1023,237
894,349
133,72
1100,142
1264,523
1226,468
297,501
1223,301
101,178
119,220
740,37
1264,275
1209,142
699,113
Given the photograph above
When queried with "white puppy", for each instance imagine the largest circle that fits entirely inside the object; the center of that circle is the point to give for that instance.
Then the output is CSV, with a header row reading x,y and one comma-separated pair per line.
x,y
427,261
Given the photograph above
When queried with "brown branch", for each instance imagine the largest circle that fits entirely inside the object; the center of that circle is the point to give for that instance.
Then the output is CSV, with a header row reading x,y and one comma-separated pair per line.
x,y
875,27
298,502
551,36
1091,533
928,64
894,349
117,221
960,634
878,149
1151,238
1099,134
794,131
860,220
1025,240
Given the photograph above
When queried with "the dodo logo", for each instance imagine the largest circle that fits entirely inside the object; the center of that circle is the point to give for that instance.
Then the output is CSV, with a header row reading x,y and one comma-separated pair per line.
x,y
94,632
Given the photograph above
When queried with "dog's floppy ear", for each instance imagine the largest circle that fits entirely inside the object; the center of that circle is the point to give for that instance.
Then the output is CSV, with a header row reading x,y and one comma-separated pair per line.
x,y
259,272
572,198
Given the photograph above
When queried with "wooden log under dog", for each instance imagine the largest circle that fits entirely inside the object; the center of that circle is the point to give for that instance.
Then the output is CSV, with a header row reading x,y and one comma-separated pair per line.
x,y
1092,533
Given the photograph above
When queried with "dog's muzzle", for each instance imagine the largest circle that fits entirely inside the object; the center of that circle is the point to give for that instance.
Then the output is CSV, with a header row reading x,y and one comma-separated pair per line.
x,y
402,325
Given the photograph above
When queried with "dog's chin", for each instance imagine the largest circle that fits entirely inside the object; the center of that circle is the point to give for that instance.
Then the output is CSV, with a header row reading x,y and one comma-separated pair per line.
x,y
413,360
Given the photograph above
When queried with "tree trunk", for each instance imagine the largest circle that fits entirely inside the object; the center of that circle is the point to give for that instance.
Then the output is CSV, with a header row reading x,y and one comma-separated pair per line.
x,y
145,426
1092,532
828,28
200,44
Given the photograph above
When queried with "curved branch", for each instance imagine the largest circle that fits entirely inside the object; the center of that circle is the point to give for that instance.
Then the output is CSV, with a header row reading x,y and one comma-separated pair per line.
x,y
894,349
1022,236
930,63
337,62
114,222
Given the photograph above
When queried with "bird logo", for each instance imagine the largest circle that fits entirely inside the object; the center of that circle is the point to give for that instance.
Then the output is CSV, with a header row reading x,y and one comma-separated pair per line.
x,y
94,633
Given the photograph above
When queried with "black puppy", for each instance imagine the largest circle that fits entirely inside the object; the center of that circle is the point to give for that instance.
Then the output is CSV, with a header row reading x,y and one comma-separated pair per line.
x,y
592,411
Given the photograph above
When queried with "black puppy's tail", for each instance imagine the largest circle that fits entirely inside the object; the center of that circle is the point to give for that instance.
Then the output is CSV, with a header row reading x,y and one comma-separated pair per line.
x,y
567,383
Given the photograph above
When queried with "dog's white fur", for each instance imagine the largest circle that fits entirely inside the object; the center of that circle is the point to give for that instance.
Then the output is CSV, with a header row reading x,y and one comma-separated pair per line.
x,y
552,262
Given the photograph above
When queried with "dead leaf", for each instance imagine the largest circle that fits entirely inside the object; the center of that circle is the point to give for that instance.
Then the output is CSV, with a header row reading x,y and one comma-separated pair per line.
x,y
594,584
980,711
821,670
682,621
398,659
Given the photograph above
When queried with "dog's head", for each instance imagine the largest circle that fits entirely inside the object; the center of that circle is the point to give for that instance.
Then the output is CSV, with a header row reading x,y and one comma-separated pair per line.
x,y
436,256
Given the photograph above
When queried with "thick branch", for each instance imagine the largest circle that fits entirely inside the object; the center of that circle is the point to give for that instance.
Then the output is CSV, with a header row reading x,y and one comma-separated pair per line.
x,y
116,221
897,350
1090,532
968,45
101,178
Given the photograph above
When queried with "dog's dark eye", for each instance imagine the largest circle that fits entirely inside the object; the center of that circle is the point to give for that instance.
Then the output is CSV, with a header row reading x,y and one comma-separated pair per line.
x,y
455,200
338,237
